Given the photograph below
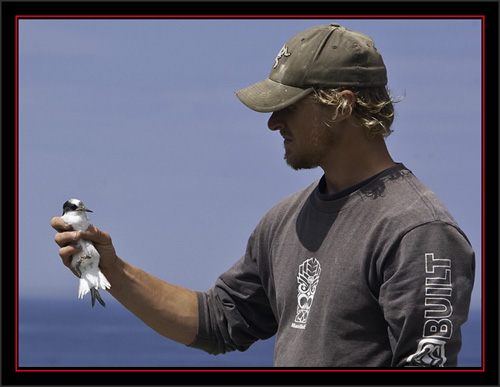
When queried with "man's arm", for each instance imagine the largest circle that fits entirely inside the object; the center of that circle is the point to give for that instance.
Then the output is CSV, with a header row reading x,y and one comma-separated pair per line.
x,y
426,295
170,310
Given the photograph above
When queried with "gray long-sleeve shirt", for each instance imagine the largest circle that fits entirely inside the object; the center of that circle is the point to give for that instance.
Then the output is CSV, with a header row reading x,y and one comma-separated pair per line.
x,y
380,277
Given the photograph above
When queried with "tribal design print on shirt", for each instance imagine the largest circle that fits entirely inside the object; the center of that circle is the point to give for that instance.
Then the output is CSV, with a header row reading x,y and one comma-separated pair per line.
x,y
308,279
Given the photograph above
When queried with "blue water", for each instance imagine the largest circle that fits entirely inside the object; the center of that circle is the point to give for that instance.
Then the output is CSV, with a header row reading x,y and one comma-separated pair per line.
x,y
69,333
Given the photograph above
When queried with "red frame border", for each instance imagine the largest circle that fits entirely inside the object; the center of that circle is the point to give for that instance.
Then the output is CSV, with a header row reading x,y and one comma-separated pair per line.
x,y
18,17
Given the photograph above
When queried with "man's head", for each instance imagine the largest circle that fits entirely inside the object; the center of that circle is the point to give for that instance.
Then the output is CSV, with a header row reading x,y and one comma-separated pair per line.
x,y
322,62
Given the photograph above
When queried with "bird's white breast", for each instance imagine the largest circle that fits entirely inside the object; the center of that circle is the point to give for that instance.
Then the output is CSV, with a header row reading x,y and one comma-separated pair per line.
x,y
79,221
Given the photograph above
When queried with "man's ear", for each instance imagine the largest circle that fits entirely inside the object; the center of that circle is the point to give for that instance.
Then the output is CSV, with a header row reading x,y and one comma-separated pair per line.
x,y
349,96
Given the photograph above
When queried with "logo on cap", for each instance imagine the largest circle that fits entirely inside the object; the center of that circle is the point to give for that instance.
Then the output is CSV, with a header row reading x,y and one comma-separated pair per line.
x,y
283,52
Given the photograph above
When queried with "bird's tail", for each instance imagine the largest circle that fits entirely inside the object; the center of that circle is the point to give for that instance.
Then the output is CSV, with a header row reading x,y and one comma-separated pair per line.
x,y
102,281
95,295
83,288
90,282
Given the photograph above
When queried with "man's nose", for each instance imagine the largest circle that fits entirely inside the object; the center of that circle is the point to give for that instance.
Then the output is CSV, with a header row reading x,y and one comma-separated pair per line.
x,y
276,121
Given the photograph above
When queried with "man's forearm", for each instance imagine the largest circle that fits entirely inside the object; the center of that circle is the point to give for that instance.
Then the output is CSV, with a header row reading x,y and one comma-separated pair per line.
x,y
170,310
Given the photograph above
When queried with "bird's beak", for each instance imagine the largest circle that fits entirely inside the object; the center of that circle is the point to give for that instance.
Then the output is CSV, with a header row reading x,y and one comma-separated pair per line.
x,y
86,209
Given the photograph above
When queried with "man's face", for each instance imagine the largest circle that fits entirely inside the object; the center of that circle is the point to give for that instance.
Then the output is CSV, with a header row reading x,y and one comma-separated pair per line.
x,y
307,137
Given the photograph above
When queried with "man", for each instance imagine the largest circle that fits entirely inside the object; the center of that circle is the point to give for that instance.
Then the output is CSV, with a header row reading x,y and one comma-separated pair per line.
x,y
363,268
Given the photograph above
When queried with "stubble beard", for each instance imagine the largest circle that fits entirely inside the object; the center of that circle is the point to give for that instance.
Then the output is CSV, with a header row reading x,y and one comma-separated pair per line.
x,y
311,154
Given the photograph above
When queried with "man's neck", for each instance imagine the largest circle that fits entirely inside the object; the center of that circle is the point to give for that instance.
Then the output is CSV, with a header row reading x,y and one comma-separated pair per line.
x,y
353,165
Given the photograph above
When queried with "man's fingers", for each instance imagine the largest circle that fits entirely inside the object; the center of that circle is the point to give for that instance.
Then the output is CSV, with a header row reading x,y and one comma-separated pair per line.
x,y
67,252
97,236
58,224
103,244
65,238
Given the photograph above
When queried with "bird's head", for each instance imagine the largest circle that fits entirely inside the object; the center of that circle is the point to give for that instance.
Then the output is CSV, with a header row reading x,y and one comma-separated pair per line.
x,y
74,205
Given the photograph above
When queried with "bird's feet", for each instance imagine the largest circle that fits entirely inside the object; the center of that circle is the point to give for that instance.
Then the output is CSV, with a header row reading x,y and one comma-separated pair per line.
x,y
82,258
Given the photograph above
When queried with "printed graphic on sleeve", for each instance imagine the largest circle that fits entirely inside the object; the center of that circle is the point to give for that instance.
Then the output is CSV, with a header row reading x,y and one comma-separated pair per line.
x,y
430,353
308,279
437,326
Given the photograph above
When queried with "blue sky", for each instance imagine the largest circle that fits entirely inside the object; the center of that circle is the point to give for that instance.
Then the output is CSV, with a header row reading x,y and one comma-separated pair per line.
x,y
138,119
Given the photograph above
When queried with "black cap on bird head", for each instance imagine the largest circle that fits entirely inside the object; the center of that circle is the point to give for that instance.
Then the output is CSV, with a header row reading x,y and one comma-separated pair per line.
x,y
74,205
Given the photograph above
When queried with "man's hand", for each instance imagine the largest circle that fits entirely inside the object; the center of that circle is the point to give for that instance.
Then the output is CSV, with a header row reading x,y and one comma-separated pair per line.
x,y
67,240
170,310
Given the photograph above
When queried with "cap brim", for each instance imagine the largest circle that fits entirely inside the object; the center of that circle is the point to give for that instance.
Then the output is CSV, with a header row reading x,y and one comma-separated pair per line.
x,y
269,96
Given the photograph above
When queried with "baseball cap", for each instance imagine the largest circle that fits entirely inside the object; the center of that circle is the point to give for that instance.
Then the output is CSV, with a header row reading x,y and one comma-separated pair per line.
x,y
321,56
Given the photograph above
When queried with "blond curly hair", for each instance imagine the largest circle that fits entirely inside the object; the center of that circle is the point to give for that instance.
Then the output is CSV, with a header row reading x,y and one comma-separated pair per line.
x,y
373,109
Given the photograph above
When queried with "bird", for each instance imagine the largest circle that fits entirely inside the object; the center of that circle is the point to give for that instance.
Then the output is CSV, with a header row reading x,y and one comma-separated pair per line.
x,y
86,261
